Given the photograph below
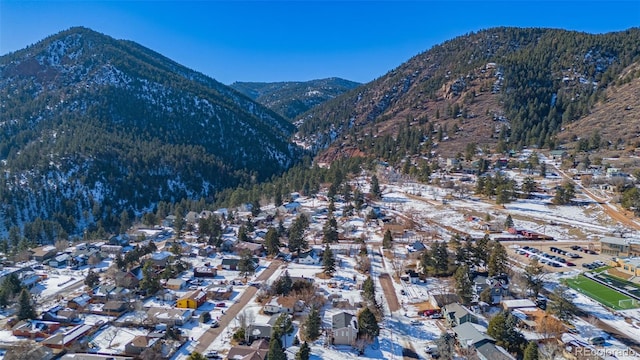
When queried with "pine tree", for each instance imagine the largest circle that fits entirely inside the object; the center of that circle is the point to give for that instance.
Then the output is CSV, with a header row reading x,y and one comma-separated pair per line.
x,y
503,328
560,305
272,242
375,187
312,325
150,281
464,285
508,223
275,350
367,324
330,231
369,289
440,256
246,265
498,260
531,351
533,274
387,240
242,234
296,234
304,352
282,327
26,309
92,279
328,262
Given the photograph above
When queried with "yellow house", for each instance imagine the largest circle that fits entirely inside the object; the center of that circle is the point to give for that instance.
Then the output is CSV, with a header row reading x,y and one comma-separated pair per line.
x,y
192,300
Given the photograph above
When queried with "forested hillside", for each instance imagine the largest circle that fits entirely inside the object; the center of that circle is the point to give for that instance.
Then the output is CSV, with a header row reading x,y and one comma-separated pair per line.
x,y
93,126
498,88
292,98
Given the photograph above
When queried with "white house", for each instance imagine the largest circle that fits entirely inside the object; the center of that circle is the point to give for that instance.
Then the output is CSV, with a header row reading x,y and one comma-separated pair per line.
x,y
309,258
283,304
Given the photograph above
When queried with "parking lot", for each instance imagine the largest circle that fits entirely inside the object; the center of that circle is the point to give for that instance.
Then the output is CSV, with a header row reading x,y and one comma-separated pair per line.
x,y
544,247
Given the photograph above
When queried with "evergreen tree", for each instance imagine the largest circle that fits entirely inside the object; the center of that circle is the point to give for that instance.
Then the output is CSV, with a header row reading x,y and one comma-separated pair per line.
x,y
282,327
150,281
531,351
92,279
25,306
272,242
275,350
498,260
178,223
446,346
246,265
330,231
464,285
375,188
565,193
255,208
196,356
242,233
328,262
367,324
440,256
508,223
560,305
368,289
277,196
283,285
297,241
528,187
387,240
533,274
312,325
304,352
503,328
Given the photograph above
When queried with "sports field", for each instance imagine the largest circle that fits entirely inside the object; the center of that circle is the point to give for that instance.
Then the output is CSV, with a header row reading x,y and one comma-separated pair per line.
x,y
602,294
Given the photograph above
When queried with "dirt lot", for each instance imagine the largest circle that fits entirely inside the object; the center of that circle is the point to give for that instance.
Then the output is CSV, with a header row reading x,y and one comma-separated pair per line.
x,y
545,245
389,292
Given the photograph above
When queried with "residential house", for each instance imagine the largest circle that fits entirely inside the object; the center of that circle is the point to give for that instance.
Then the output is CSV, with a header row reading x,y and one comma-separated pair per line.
x,y
35,351
129,279
558,155
469,336
43,253
34,328
510,305
283,304
139,343
115,308
106,250
192,217
253,248
216,292
192,300
257,351
490,351
206,250
344,329
308,258
60,260
175,284
498,285
79,302
230,263
64,316
205,272
456,314
160,259
417,246
258,331
169,316
64,340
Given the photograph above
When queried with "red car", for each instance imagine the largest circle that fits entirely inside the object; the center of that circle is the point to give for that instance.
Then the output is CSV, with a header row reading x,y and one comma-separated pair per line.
x,y
221,305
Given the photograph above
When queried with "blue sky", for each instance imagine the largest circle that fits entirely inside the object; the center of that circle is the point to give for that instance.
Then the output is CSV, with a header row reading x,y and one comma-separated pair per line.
x,y
298,40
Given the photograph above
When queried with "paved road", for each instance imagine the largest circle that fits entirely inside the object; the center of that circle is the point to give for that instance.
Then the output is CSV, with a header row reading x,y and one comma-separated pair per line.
x,y
211,334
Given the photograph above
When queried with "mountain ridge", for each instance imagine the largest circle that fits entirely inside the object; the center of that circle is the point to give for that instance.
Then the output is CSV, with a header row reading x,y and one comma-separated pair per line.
x,y
291,98
96,120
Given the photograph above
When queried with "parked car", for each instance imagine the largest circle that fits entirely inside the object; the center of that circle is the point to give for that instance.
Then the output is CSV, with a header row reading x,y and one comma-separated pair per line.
x,y
214,323
221,304
212,355
597,341
569,263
